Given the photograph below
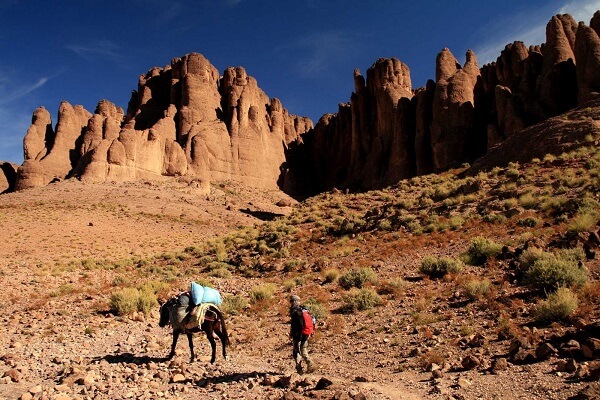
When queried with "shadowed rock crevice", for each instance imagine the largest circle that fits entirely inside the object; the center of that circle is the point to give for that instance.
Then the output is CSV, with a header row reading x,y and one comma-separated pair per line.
x,y
8,177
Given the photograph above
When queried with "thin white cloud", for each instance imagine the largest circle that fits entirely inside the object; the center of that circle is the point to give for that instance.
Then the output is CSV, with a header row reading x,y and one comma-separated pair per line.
x,y
319,50
528,29
23,91
102,48
15,114
174,10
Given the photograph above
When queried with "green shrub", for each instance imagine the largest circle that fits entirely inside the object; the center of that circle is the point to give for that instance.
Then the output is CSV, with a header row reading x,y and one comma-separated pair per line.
x,y
316,309
528,201
559,305
583,222
529,256
456,222
510,203
331,275
293,265
549,272
480,250
359,300
529,222
356,278
262,293
494,218
391,286
435,267
126,301
476,289
574,254
554,204
155,287
88,263
119,280
146,301
289,284
213,265
384,225
220,273
233,305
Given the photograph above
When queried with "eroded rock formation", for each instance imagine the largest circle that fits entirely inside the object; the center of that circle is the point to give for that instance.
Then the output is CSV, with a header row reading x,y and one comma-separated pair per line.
x,y
389,131
184,119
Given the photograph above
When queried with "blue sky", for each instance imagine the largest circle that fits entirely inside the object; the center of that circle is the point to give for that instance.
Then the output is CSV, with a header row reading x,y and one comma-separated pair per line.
x,y
303,52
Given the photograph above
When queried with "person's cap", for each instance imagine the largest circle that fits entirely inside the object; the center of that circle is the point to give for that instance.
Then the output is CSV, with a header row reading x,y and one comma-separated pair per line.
x,y
294,299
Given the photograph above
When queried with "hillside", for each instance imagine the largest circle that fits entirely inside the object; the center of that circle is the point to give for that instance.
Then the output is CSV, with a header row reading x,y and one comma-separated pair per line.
x,y
437,287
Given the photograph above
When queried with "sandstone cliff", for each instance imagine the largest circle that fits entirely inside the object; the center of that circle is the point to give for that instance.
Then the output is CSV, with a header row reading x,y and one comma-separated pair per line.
x,y
184,119
389,131
187,119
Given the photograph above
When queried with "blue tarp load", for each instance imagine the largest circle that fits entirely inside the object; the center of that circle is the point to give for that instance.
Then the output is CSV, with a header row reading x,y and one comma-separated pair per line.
x,y
204,294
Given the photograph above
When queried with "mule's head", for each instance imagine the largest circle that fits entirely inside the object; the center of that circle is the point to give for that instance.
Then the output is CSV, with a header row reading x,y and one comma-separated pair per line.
x,y
164,315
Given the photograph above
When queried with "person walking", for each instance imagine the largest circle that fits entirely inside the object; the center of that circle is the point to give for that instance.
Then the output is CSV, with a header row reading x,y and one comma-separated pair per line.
x,y
300,339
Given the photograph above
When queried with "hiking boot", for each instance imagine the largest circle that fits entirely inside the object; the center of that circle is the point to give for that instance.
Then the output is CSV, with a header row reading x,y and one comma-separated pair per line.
x,y
310,367
299,368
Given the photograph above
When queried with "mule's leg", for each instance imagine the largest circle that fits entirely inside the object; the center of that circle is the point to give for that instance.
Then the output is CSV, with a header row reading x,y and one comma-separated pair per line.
x,y
176,333
221,336
191,343
213,344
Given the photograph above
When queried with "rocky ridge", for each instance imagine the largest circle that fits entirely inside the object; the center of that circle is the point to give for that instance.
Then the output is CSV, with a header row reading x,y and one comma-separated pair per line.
x,y
184,119
389,131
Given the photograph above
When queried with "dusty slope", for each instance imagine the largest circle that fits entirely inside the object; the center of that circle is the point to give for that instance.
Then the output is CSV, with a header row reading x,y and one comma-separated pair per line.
x,y
72,220
67,247
62,249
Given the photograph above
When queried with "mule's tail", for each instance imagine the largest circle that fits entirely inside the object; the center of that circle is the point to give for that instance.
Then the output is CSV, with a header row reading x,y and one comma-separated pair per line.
x,y
222,319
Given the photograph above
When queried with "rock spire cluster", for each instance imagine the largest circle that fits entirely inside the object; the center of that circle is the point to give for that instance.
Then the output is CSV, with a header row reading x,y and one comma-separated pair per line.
x,y
390,131
184,119
187,119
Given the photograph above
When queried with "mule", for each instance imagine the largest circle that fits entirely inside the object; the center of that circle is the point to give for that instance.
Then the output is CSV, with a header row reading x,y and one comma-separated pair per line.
x,y
213,324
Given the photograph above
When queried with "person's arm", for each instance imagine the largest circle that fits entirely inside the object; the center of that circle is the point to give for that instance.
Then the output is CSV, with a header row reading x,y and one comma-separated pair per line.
x,y
301,318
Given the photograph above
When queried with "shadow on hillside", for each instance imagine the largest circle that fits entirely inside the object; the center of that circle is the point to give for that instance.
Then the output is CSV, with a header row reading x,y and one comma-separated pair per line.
x,y
262,215
130,359
233,377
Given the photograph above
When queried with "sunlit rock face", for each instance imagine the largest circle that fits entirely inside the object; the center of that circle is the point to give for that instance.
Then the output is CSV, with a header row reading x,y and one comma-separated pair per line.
x,y
188,120
184,119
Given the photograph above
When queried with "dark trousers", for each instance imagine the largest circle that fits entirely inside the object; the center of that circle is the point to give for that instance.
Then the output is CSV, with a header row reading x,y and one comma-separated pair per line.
x,y
301,350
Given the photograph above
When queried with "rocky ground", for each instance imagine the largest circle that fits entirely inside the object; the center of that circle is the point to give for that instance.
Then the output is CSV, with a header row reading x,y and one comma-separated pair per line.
x,y
60,340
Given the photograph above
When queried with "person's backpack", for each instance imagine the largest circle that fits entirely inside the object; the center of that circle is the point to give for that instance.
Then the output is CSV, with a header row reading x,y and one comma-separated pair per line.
x,y
309,322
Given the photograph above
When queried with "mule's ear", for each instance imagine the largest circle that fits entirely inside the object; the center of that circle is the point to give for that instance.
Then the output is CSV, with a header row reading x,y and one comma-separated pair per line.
x,y
161,302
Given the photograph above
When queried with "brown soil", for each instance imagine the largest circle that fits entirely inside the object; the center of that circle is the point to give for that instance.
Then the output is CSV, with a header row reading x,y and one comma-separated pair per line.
x,y
59,338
